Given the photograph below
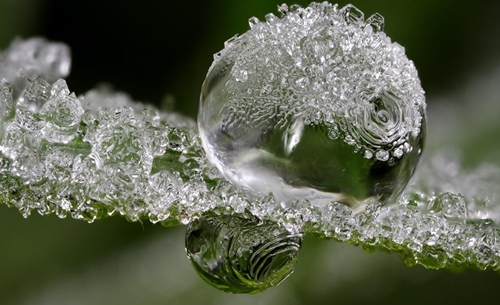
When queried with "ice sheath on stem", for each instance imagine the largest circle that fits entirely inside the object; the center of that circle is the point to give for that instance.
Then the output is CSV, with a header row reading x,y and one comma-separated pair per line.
x,y
101,154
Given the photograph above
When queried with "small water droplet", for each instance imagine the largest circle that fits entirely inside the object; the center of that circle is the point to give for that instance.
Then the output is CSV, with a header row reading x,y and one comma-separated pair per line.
x,y
240,255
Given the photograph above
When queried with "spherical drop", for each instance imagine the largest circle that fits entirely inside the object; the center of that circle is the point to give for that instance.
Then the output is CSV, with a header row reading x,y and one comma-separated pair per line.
x,y
318,104
240,255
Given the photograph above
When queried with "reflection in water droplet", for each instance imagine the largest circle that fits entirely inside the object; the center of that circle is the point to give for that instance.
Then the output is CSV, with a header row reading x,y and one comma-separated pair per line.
x,y
239,255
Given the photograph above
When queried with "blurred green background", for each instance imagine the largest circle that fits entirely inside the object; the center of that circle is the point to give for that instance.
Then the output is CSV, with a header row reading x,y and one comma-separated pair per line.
x,y
155,50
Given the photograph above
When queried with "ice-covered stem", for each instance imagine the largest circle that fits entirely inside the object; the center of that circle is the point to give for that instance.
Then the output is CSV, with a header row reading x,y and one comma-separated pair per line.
x,y
102,154
70,156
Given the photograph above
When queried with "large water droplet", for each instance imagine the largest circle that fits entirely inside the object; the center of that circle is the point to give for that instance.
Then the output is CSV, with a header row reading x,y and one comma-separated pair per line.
x,y
240,255
342,119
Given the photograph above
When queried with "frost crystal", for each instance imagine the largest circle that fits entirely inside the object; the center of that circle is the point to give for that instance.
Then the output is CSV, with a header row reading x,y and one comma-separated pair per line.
x,y
101,154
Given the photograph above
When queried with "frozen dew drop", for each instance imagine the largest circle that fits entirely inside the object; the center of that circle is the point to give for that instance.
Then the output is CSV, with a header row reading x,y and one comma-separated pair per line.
x,y
341,119
240,255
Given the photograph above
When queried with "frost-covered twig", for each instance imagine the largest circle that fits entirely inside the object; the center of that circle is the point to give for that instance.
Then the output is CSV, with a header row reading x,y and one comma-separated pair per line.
x,y
101,154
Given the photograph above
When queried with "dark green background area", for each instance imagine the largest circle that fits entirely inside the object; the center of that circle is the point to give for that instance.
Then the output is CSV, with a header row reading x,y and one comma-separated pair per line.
x,y
157,49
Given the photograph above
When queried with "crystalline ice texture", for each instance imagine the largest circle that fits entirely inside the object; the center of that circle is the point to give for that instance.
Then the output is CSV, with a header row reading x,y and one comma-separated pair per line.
x,y
57,155
317,105
126,158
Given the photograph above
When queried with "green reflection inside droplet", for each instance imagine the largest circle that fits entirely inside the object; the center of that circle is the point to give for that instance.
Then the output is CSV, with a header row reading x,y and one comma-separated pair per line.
x,y
241,255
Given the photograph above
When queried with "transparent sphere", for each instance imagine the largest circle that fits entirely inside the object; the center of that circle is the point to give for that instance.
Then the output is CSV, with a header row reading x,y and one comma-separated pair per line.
x,y
239,255
318,104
